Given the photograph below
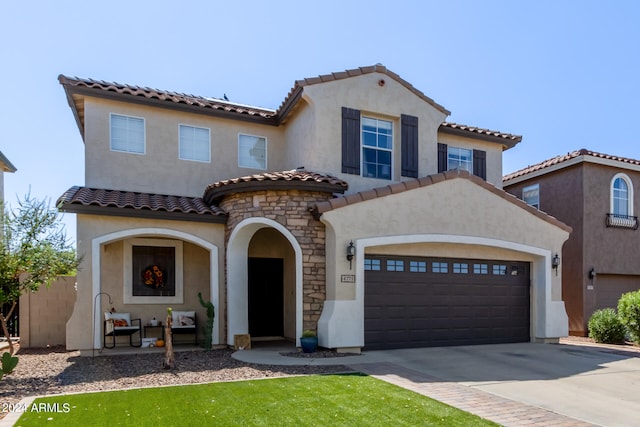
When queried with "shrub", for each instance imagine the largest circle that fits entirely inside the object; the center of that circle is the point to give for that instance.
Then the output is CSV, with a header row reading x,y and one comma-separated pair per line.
x,y
605,326
629,312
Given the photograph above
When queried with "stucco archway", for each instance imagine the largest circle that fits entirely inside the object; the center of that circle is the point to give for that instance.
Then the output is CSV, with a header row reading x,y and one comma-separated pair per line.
x,y
237,275
96,261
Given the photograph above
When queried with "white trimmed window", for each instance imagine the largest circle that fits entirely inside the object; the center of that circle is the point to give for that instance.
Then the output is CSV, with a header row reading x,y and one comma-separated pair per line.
x,y
377,148
127,134
195,143
460,158
531,195
621,195
252,151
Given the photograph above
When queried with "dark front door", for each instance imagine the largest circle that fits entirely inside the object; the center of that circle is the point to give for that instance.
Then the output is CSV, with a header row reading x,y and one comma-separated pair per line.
x,y
266,311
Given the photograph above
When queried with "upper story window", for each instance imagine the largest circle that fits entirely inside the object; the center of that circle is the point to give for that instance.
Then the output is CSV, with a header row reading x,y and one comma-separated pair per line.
x,y
252,151
621,203
127,134
473,161
460,158
621,191
195,143
531,195
367,145
377,146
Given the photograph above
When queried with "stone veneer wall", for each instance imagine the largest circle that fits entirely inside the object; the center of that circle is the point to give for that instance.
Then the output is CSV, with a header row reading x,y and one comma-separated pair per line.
x,y
291,209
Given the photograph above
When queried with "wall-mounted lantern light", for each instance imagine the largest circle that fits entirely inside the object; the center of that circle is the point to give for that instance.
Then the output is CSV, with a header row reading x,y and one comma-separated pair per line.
x,y
592,273
351,252
555,263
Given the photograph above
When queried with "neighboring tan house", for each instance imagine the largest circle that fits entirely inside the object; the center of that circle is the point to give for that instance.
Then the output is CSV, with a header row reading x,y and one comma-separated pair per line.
x,y
594,194
257,209
5,166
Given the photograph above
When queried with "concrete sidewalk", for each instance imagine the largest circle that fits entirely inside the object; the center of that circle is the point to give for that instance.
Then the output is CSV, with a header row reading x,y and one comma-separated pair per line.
x,y
511,384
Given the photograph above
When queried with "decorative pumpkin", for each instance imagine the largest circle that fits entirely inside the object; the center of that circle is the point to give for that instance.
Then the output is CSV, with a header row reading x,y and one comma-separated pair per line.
x,y
159,343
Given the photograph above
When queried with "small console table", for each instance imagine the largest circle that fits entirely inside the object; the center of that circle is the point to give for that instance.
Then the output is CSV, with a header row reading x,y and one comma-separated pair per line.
x,y
147,327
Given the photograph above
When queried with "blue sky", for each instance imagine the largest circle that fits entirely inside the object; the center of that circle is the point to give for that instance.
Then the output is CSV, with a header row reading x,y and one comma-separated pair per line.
x,y
564,74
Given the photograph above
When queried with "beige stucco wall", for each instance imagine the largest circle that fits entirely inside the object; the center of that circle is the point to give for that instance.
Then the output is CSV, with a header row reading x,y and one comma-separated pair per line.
x,y
451,207
311,137
453,218
319,149
196,271
158,169
44,314
299,130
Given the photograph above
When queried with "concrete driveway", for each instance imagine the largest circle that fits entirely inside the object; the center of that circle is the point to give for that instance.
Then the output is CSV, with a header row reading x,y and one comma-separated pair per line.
x,y
594,384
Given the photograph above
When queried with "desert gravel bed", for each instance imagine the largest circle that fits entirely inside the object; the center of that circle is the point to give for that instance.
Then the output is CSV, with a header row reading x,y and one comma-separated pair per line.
x,y
56,371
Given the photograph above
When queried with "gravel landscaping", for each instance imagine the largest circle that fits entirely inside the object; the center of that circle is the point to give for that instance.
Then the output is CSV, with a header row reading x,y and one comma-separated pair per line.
x,y
56,371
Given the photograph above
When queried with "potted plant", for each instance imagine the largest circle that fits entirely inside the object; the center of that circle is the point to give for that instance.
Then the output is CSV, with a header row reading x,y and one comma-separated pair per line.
x,y
309,341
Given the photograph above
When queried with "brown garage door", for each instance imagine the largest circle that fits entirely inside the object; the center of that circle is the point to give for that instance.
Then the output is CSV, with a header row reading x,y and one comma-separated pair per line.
x,y
610,287
423,302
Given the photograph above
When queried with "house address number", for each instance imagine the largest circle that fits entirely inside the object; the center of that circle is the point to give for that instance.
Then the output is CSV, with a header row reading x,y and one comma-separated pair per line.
x,y
348,278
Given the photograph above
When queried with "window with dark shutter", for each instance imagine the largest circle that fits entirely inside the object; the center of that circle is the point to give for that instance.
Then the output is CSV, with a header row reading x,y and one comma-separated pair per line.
x,y
480,164
409,145
350,141
442,157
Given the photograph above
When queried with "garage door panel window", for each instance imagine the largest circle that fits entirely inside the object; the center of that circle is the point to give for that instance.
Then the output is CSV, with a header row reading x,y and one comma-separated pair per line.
x,y
395,265
459,268
499,270
417,266
371,264
480,268
439,267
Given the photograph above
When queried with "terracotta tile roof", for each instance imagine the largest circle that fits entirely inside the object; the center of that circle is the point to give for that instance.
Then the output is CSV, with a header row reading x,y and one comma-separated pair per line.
x,y
561,159
400,187
294,93
92,200
293,179
76,84
75,87
147,93
455,128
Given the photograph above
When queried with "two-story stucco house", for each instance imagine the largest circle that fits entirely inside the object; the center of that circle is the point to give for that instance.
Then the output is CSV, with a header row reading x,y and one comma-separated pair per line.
x,y
353,209
594,194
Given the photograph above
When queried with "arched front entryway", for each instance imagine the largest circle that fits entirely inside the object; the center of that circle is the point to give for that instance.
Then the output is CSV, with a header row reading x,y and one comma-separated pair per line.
x,y
99,243
264,264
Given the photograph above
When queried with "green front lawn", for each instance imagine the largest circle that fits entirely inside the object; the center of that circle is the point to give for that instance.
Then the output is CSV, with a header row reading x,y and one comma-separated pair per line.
x,y
326,400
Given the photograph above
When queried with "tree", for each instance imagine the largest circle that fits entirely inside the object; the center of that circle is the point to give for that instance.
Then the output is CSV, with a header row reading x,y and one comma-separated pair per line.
x,y
33,252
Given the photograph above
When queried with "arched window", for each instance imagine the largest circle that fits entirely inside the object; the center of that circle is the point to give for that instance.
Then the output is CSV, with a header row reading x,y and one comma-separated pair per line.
x,y
621,196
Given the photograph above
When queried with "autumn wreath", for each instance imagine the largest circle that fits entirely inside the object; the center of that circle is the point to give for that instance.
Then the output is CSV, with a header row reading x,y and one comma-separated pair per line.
x,y
153,277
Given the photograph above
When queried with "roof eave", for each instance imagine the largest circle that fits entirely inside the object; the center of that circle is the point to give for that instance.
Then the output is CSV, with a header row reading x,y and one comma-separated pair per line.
x,y
213,195
100,93
77,208
68,90
8,166
505,142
